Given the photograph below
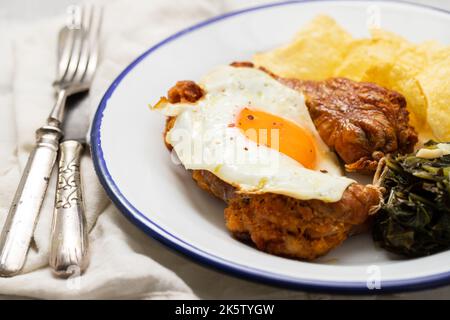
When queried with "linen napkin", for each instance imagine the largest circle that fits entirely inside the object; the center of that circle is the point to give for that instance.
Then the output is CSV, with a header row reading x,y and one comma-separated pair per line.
x,y
125,263
121,264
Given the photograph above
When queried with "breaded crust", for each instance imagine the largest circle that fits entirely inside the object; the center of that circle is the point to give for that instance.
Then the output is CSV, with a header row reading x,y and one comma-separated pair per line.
x,y
185,91
361,121
285,226
282,225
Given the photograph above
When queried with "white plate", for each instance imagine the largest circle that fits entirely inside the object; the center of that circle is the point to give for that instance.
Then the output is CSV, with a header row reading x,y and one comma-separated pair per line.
x,y
161,198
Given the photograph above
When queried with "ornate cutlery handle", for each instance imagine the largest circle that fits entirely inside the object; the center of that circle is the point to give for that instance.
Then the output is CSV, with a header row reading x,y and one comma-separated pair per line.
x,y
21,221
69,239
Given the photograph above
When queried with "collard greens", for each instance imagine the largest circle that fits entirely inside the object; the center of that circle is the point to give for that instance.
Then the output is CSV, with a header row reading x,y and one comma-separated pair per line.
x,y
415,217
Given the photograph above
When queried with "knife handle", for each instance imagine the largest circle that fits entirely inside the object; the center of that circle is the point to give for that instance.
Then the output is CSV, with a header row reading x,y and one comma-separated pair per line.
x,y
22,217
69,238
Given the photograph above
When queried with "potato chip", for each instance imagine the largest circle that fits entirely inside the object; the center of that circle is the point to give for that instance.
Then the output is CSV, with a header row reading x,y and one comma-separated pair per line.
x,y
435,83
397,78
385,35
417,57
315,53
439,55
420,72
364,54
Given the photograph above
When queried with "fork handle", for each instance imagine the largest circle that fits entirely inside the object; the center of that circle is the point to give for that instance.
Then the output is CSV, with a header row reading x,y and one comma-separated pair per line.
x,y
24,211
69,239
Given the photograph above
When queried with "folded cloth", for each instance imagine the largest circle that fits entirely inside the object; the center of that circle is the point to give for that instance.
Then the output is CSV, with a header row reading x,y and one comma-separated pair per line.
x,y
121,265
125,263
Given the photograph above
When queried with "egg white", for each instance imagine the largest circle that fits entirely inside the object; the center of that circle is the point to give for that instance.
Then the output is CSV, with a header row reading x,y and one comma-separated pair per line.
x,y
204,138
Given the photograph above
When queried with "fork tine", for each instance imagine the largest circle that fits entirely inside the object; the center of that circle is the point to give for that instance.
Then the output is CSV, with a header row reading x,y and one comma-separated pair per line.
x,y
66,39
79,54
89,56
94,37
74,57
84,54
78,44
65,46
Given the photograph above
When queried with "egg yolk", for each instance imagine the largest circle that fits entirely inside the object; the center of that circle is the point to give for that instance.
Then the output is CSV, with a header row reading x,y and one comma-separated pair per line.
x,y
288,138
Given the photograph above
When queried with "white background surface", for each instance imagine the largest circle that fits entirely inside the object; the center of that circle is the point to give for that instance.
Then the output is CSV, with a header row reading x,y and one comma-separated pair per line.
x,y
27,10
15,12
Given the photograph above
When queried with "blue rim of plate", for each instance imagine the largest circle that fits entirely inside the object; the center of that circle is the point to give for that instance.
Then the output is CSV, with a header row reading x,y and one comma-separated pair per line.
x,y
198,255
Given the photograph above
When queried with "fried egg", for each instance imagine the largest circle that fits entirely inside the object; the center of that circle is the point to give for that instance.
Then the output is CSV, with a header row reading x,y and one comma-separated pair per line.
x,y
256,134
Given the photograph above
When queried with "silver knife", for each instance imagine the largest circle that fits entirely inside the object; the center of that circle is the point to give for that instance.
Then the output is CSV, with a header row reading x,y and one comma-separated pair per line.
x,y
69,234
77,61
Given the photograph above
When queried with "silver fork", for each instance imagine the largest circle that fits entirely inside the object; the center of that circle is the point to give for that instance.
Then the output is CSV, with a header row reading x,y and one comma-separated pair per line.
x,y
77,61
